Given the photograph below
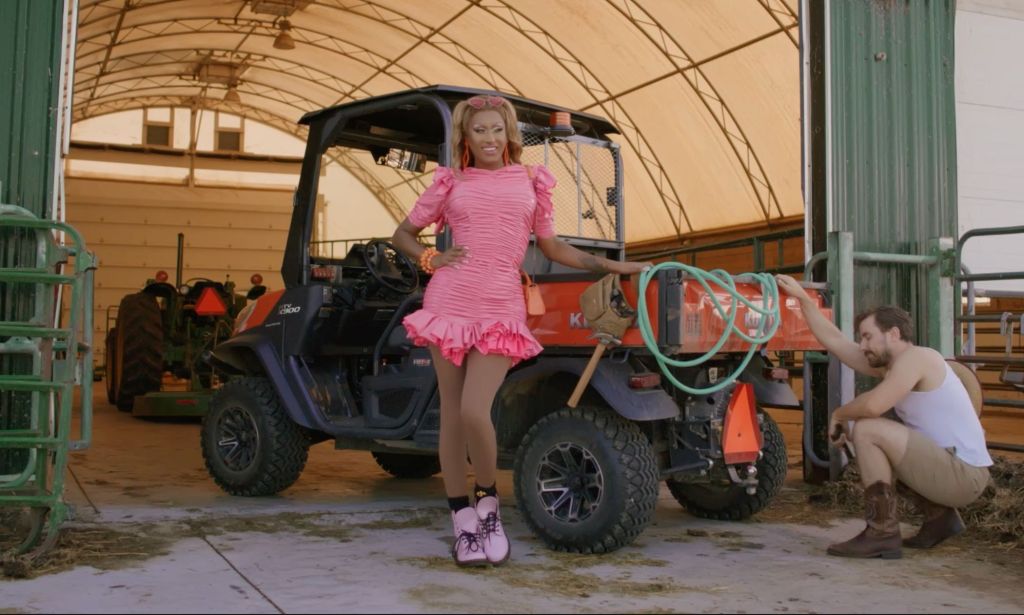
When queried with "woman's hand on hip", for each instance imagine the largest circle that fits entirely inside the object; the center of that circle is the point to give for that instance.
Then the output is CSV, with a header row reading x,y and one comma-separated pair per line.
x,y
454,256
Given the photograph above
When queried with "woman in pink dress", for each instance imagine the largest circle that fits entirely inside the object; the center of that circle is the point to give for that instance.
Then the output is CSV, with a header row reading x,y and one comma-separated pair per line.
x,y
474,315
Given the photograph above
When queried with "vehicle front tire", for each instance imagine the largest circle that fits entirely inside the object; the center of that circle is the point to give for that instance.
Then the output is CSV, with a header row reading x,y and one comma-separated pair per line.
x,y
586,480
250,445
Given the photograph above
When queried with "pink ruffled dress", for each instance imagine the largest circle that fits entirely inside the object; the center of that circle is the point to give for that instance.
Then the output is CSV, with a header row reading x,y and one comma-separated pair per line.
x,y
480,305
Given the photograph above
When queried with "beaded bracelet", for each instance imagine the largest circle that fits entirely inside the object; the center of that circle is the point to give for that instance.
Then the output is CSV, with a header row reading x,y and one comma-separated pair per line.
x,y
425,260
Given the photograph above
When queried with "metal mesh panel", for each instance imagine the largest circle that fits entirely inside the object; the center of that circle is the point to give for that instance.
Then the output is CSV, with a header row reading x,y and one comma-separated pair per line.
x,y
586,197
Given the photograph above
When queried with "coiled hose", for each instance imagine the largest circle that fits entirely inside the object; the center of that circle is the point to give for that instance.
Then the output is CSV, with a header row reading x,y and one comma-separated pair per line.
x,y
768,323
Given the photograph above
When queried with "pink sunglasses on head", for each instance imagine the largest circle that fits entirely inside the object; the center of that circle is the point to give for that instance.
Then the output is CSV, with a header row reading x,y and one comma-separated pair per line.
x,y
481,102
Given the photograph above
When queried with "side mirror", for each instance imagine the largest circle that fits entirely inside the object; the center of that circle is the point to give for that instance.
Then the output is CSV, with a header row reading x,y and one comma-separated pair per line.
x,y
255,292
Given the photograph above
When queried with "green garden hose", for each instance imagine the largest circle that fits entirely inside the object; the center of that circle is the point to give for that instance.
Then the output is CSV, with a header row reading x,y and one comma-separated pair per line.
x,y
768,311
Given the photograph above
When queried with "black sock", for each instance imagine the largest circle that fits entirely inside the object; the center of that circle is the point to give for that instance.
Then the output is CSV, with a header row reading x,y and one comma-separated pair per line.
x,y
482,492
457,504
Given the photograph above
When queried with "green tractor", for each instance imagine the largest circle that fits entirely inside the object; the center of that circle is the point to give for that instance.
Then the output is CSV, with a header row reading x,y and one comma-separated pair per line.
x,y
165,328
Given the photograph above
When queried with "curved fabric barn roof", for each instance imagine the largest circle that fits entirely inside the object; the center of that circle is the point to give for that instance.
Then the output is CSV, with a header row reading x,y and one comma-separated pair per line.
x,y
705,94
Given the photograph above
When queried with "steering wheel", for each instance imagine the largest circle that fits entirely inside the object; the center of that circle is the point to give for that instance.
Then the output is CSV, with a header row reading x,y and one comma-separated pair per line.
x,y
392,269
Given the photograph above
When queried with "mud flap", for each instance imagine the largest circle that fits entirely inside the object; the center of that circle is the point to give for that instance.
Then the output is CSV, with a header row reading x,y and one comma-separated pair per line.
x,y
741,434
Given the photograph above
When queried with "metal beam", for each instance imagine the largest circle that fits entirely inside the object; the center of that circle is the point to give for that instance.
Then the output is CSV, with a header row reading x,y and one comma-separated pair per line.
x,y
713,101
176,68
394,61
113,36
342,157
572,65
789,19
323,42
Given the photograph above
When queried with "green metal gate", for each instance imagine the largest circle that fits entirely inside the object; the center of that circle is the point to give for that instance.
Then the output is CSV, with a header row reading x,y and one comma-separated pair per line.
x,y
40,359
58,359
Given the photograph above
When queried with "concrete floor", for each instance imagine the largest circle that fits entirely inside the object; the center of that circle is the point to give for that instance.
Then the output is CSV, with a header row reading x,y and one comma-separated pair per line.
x,y
348,538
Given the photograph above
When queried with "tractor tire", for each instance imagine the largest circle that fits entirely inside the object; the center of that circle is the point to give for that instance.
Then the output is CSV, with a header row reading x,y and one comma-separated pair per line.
x,y
110,370
731,502
402,465
250,445
586,480
139,360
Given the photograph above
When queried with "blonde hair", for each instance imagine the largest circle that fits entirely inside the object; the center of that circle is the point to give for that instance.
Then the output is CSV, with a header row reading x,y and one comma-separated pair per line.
x,y
463,115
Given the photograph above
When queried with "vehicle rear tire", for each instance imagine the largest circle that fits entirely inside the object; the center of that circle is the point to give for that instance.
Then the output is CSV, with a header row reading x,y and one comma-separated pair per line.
x,y
586,480
110,370
250,445
731,502
402,465
139,356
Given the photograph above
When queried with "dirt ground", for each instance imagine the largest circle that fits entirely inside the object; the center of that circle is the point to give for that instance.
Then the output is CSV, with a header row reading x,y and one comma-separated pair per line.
x,y
152,533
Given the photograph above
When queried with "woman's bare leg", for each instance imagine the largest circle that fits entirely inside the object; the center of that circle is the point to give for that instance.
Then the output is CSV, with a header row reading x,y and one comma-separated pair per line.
x,y
484,375
452,445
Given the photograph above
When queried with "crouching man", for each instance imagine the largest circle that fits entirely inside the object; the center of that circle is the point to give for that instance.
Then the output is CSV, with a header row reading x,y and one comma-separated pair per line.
x,y
939,449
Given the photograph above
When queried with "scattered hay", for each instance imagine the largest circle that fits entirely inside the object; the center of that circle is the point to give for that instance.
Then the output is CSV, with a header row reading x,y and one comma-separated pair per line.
x,y
800,505
996,517
418,521
103,548
563,579
307,524
616,558
120,545
560,576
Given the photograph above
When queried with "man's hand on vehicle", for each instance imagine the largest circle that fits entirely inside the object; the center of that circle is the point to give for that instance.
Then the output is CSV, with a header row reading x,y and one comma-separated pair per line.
x,y
791,287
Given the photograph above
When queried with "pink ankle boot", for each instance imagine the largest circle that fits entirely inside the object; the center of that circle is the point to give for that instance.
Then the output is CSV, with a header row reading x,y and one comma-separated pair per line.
x,y
468,549
494,539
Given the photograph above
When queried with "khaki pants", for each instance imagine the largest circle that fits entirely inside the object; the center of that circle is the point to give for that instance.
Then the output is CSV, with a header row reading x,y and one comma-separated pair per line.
x,y
937,474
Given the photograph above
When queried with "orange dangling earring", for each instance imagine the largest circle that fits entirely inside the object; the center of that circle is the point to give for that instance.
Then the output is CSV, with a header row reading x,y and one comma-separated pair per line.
x,y
465,154
505,157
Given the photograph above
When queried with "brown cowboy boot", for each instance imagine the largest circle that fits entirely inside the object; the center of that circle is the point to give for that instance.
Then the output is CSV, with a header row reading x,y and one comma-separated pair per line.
x,y
940,522
881,537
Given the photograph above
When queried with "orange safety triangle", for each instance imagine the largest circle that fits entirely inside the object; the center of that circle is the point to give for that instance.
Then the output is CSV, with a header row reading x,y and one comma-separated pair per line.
x,y
210,303
741,434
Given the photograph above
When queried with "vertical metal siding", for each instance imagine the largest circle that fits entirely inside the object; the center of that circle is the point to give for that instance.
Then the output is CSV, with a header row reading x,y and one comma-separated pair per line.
x,y
893,138
30,42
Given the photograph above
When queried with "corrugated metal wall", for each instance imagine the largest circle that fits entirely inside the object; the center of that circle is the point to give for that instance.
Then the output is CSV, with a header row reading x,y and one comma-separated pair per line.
x,y
30,43
893,138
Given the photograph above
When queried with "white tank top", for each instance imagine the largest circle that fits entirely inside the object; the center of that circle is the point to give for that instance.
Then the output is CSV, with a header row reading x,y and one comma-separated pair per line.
x,y
947,416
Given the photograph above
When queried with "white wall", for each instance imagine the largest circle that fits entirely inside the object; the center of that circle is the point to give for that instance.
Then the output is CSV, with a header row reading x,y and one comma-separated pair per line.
x,y
990,132
130,207
351,211
132,228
